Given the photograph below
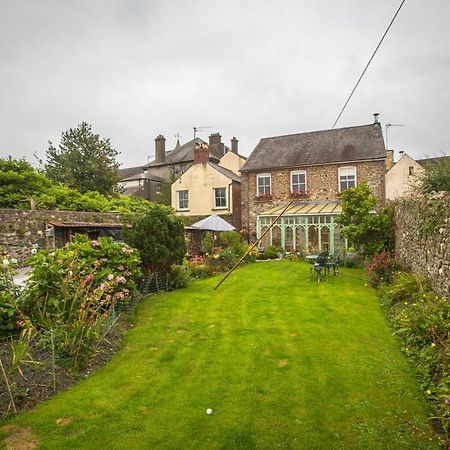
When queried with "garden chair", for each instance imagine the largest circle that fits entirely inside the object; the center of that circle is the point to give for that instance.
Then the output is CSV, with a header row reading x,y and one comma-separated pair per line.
x,y
320,267
334,262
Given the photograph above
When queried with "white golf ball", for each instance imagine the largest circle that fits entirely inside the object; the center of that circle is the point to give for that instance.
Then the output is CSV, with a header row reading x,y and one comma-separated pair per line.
x,y
209,411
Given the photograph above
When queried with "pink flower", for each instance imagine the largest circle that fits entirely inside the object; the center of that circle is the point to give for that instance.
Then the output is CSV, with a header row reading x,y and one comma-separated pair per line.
x,y
88,278
102,286
121,280
95,243
110,276
60,261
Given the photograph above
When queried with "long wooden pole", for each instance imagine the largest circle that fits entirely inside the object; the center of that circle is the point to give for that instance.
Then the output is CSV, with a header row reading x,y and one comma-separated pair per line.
x,y
254,245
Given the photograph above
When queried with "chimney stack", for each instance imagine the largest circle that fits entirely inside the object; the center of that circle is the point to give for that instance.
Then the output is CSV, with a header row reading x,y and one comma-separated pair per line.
x,y
401,153
216,146
375,118
160,149
234,145
201,154
389,159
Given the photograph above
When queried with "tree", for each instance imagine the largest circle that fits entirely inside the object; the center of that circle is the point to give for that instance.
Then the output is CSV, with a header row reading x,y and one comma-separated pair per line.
x,y
19,182
369,230
436,176
159,237
83,161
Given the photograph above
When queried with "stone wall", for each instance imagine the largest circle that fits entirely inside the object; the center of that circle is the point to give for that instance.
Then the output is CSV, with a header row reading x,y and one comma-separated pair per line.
x,y
21,231
321,184
422,241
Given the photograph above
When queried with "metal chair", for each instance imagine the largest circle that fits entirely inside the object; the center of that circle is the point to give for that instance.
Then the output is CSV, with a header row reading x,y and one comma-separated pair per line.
x,y
334,262
320,267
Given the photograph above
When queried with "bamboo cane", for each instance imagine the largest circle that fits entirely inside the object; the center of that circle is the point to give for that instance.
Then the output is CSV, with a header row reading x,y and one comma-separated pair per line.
x,y
9,389
254,245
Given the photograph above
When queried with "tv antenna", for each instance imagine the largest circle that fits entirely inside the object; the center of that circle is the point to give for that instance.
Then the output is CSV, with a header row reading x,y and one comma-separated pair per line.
x,y
199,129
388,125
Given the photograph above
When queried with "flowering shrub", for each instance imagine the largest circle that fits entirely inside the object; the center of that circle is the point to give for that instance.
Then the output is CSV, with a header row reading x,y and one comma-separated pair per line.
x,y
8,298
101,268
72,291
380,268
421,320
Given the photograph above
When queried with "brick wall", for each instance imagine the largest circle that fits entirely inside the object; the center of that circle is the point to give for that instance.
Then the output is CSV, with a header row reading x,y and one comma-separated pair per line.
x,y
422,242
322,184
21,230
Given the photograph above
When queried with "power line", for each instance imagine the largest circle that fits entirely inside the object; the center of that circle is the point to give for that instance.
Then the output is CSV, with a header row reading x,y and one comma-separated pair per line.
x,y
370,60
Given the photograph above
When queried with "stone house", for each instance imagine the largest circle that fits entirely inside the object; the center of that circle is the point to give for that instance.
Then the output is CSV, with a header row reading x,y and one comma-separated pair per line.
x,y
207,187
311,169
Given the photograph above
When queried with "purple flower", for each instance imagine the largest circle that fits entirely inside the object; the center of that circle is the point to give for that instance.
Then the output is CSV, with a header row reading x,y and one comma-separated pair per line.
x,y
447,400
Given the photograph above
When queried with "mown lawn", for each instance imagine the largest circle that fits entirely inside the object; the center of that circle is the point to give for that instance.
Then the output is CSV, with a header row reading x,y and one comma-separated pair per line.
x,y
283,361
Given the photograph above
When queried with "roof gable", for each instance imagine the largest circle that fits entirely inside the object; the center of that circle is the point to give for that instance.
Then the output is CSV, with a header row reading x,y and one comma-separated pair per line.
x,y
358,143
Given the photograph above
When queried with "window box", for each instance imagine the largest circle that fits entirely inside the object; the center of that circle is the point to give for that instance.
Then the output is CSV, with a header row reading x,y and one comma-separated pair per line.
x,y
298,194
263,196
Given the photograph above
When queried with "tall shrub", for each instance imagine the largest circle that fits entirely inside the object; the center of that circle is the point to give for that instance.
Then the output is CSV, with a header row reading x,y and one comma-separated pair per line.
x,y
159,236
371,230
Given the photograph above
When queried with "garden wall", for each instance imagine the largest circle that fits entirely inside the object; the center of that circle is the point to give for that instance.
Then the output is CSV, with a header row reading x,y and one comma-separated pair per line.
x,y
21,231
423,238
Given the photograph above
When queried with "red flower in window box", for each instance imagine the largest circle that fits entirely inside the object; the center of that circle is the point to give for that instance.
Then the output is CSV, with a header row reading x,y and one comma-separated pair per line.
x,y
298,194
263,196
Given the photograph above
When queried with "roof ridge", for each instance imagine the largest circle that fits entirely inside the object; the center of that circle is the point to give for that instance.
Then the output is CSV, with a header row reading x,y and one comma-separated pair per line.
x,y
318,131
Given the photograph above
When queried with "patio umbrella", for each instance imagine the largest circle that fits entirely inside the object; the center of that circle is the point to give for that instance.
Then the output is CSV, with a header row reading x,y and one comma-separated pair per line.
x,y
212,223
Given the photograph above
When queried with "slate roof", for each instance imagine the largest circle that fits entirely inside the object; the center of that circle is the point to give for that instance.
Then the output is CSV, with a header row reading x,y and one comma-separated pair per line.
x,y
360,143
227,172
142,176
130,171
185,153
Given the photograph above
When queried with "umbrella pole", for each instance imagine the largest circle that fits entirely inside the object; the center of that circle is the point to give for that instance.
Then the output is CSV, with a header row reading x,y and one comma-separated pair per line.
x,y
254,245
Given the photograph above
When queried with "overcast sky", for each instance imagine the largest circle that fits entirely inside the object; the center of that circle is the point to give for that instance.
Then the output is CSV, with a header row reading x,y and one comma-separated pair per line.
x,y
134,69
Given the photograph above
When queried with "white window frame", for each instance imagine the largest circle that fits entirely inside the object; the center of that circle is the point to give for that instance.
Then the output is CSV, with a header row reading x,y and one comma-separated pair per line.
x,y
298,172
263,175
215,198
341,169
178,200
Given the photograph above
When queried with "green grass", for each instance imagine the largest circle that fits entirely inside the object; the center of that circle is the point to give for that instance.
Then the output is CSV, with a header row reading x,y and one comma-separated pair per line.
x,y
283,361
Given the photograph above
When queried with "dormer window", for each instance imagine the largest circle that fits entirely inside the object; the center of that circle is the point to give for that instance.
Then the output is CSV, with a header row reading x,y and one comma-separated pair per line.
x,y
347,178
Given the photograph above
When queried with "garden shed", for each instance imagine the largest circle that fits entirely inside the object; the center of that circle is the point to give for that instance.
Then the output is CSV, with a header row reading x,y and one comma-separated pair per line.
x,y
58,233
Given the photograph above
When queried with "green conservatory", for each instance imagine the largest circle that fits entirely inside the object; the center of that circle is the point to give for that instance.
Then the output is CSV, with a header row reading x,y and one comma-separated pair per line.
x,y
306,226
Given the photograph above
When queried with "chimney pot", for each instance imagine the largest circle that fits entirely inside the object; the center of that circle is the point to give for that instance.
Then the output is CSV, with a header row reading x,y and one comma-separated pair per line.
x,y
375,117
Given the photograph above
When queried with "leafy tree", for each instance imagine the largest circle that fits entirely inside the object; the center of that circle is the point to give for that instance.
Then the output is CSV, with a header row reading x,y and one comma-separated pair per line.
x,y
19,182
83,161
159,237
370,230
436,176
